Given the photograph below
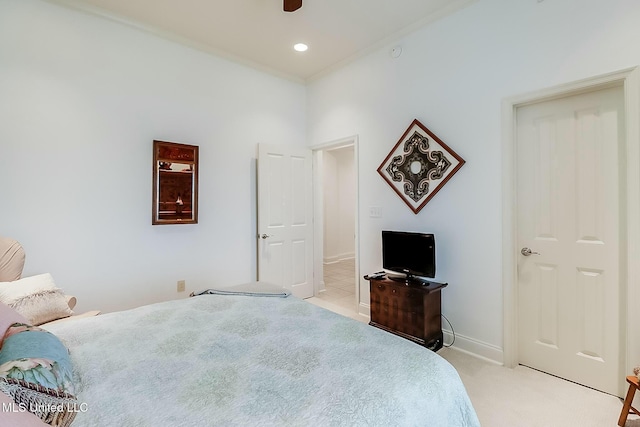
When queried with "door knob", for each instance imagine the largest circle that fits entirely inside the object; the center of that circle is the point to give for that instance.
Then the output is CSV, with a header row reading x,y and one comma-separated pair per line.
x,y
528,252
264,236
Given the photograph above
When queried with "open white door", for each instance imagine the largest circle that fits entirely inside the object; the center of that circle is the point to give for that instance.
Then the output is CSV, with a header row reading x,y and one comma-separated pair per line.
x,y
285,218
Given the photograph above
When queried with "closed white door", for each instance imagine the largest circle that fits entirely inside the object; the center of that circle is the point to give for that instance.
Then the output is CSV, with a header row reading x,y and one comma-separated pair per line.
x,y
285,218
570,217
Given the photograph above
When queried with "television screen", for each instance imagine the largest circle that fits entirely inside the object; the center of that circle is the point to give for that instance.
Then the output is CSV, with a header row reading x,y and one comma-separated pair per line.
x,y
411,253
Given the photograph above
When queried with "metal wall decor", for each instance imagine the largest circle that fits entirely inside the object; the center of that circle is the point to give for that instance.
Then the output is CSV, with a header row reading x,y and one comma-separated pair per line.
x,y
419,165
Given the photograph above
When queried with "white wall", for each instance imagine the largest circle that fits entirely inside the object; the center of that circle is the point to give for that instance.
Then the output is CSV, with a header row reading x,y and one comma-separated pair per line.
x,y
81,100
453,76
339,204
330,207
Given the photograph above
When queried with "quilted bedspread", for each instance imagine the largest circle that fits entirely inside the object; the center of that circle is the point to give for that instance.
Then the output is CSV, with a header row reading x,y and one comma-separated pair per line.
x,y
221,360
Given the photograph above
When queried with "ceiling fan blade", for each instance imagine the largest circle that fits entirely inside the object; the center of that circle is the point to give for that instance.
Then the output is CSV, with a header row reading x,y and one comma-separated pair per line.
x,y
292,5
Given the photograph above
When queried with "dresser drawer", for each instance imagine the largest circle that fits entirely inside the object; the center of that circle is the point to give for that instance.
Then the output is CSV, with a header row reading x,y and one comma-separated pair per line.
x,y
385,290
395,290
398,307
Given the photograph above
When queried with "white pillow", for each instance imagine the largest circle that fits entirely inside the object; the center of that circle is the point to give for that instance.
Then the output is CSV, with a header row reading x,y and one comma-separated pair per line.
x,y
37,298
10,292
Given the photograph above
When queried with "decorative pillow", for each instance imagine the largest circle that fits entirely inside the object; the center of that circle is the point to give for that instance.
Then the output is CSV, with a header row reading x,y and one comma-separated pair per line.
x,y
35,370
11,259
37,356
8,316
37,298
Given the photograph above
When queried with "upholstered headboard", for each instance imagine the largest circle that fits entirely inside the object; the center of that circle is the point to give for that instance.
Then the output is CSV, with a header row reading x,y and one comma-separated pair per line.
x,y
11,259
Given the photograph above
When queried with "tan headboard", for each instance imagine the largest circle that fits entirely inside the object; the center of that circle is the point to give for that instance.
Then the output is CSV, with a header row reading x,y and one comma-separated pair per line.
x,y
11,259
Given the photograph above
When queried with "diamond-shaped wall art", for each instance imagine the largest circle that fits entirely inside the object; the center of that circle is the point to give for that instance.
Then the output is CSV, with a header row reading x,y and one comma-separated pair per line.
x,y
419,165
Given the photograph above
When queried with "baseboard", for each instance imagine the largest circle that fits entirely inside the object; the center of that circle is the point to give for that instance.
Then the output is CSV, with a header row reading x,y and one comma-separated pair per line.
x,y
488,352
473,347
364,310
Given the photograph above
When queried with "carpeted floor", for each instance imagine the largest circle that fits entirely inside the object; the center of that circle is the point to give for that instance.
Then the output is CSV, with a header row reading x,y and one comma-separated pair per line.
x,y
524,397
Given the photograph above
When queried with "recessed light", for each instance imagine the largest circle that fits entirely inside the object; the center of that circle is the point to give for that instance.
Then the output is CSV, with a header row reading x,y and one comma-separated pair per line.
x,y
300,47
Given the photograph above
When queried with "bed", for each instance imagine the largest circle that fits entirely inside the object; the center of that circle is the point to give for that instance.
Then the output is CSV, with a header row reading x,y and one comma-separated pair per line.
x,y
225,360
238,359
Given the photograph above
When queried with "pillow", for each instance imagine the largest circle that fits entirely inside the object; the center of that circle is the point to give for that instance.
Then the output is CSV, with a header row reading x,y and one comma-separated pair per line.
x,y
11,259
37,356
35,370
36,298
8,316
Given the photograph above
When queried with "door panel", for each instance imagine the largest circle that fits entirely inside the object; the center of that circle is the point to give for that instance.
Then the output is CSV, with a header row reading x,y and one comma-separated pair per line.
x,y
569,207
285,218
547,278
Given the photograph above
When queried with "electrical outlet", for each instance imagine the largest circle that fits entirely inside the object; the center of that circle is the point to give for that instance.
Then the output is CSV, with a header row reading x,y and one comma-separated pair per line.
x,y
181,285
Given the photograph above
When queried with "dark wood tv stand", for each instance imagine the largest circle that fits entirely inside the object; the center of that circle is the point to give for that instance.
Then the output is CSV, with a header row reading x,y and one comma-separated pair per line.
x,y
409,309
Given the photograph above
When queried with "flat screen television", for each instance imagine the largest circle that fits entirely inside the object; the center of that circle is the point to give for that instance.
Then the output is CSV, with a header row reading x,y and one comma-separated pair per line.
x,y
413,254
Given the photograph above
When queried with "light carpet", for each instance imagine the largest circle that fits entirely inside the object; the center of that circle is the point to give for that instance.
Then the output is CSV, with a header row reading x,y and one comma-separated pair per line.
x,y
524,397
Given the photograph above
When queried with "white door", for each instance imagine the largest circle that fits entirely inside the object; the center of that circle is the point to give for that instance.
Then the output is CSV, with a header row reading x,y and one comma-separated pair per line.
x,y
570,217
285,218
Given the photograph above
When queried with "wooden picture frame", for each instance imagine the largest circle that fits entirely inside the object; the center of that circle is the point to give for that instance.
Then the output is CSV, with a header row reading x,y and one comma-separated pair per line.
x,y
419,165
175,183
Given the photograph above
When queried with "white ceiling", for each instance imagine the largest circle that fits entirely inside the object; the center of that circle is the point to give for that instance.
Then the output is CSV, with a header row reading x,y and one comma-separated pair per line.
x,y
258,33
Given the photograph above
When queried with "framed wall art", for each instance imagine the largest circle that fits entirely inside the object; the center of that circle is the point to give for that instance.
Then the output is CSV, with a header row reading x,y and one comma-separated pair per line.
x,y
419,165
175,183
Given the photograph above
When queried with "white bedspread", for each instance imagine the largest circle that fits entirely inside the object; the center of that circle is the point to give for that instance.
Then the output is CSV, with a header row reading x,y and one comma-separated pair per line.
x,y
217,360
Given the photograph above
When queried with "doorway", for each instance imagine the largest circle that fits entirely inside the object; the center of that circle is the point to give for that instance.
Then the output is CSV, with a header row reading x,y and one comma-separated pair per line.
x,y
336,191
569,219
